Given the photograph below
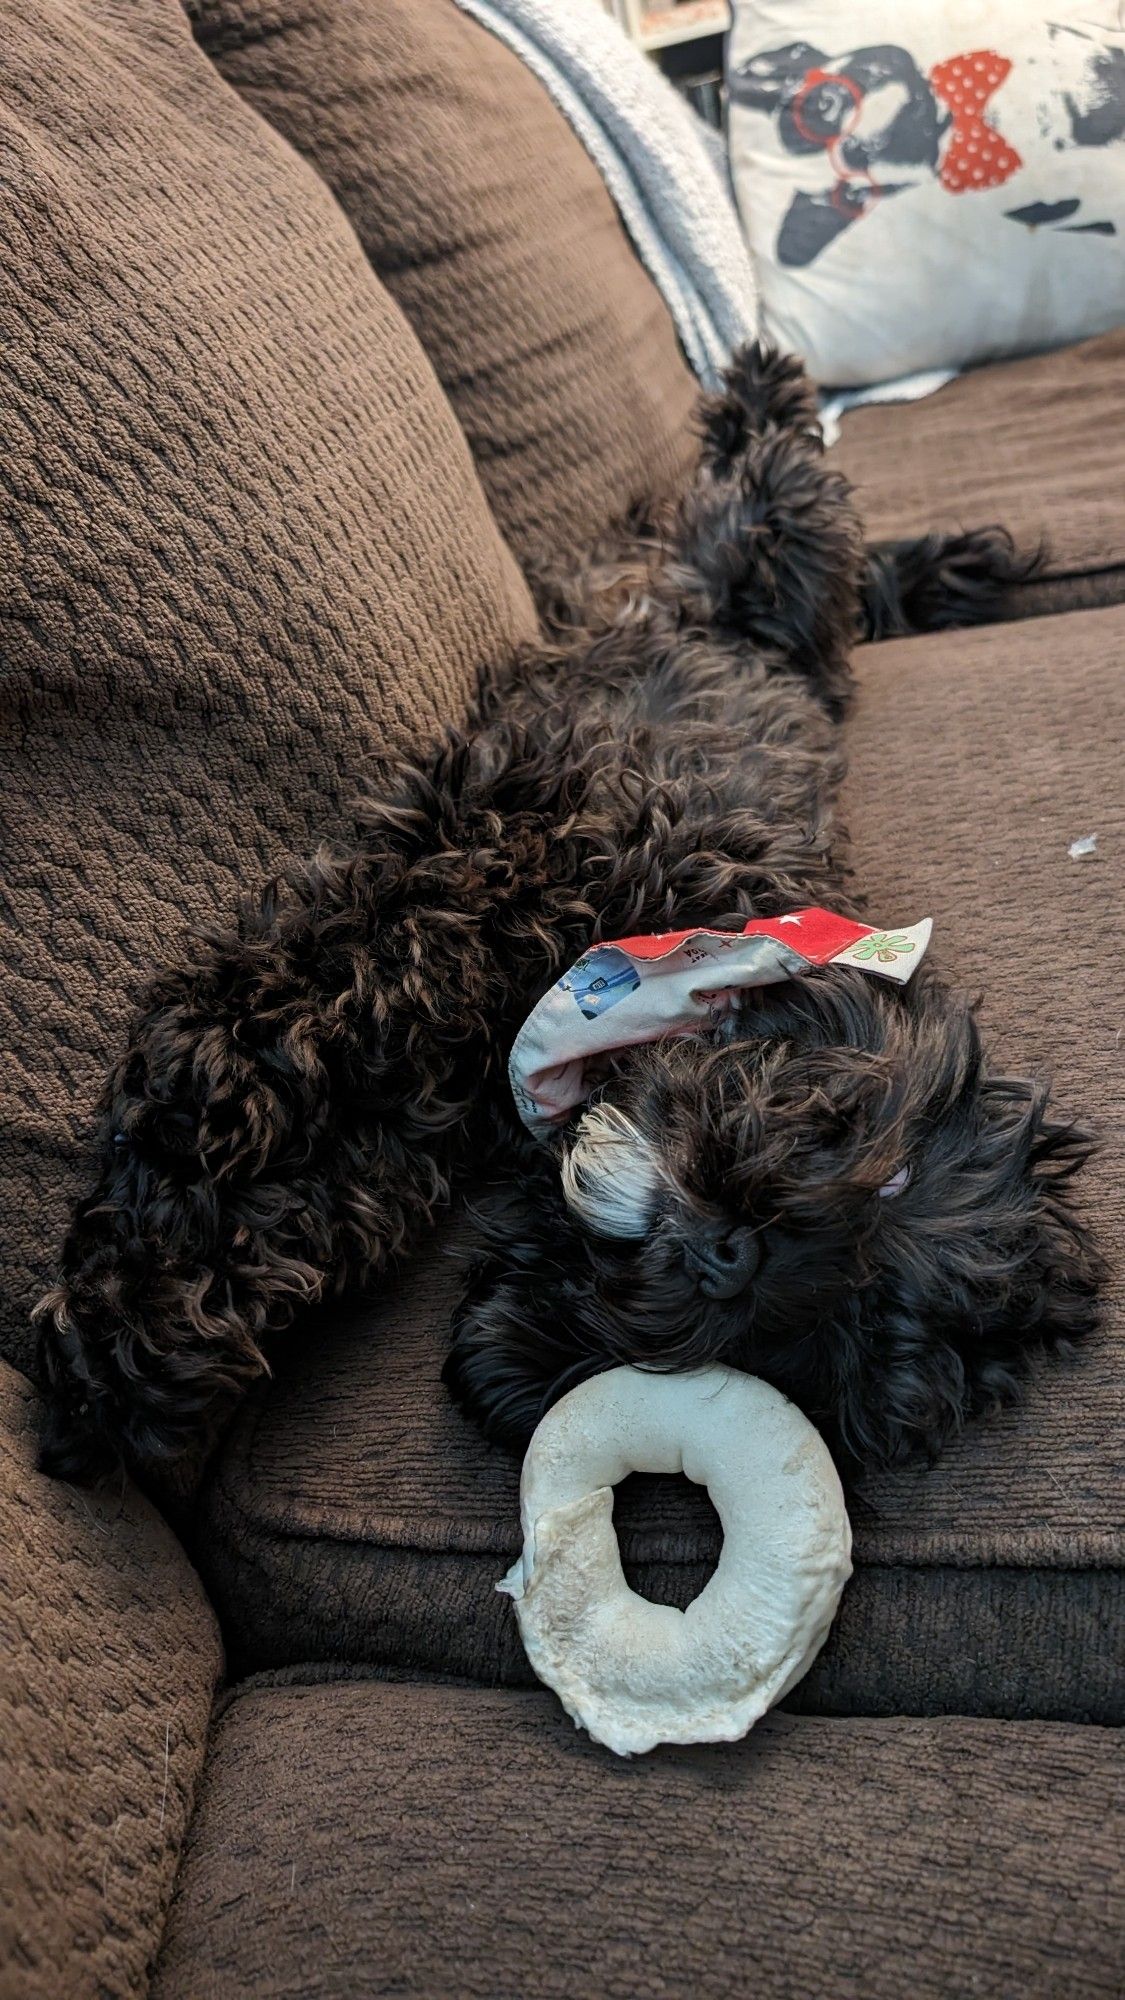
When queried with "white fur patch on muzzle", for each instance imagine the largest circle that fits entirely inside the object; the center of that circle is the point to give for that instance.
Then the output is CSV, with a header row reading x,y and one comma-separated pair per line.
x,y
612,1176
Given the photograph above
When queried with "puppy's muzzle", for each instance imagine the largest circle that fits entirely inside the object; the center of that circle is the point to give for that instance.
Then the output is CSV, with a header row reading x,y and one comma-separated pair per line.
x,y
723,1266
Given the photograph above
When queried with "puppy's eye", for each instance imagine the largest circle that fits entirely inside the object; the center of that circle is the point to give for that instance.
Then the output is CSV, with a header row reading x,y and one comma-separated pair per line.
x,y
895,1185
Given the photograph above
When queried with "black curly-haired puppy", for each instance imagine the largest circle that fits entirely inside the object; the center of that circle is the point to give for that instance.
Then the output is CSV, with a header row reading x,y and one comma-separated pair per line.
x,y
296,1098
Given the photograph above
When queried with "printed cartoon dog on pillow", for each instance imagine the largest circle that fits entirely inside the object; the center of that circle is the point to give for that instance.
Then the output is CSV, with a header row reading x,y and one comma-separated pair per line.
x,y
873,124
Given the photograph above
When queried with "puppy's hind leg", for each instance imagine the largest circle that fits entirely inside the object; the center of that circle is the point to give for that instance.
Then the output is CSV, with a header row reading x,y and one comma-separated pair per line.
x,y
770,548
939,581
763,389
926,583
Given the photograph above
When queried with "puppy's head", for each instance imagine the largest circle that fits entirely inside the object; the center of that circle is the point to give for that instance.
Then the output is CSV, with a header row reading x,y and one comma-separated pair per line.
x,y
834,1193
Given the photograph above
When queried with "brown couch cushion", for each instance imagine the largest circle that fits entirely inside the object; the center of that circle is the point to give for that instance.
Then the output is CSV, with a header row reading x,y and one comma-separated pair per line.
x,y
1036,444
370,1838
110,1656
481,211
241,545
355,1515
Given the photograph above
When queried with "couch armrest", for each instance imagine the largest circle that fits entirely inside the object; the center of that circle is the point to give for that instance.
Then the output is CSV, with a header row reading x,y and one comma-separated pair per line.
x,y
109,1656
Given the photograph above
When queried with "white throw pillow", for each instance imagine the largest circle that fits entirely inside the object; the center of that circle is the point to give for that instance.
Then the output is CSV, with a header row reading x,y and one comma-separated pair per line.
x,y
927,183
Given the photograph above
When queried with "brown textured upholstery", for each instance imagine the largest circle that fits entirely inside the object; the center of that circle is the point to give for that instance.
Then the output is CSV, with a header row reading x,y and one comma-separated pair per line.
x,y
109,1656
1036,444
483,214
355,1514
362,1839
242,545
976,760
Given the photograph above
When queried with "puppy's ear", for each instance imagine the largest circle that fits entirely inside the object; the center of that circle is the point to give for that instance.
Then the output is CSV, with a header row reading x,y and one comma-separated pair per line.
x,y
1053,1269
523,1333
515,1348
895,1388
974,1291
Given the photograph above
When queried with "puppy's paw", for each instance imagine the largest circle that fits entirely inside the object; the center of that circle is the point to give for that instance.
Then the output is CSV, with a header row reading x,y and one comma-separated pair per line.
x,y
763,390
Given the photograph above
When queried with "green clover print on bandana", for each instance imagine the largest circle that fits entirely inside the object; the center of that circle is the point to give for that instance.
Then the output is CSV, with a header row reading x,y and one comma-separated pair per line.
x,y
886,946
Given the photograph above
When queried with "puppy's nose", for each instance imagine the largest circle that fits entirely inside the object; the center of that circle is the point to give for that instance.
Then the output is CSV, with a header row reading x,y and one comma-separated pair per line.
x,y
723,1266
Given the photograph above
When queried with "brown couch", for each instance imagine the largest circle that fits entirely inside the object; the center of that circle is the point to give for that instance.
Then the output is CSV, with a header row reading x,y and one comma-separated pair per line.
x,y
314,322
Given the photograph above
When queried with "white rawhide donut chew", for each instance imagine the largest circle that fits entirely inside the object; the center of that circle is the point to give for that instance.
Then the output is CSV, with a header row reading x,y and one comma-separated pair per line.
x,y
634,1673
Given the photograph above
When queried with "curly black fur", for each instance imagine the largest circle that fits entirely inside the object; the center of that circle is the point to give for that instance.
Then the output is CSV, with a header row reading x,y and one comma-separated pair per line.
x,y
295,1099
943,580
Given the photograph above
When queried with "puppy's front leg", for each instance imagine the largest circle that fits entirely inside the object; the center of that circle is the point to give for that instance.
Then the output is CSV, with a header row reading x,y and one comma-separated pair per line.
x,y
289,1108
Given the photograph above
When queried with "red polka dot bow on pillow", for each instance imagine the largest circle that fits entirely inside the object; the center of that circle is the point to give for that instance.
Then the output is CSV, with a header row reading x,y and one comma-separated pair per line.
x,y
977,157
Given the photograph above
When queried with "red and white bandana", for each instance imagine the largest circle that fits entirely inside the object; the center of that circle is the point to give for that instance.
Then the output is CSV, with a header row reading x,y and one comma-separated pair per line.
x,y
641,989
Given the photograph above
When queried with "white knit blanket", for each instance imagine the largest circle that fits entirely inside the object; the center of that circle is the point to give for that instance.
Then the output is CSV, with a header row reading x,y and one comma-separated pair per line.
x,y
666,173
657,161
